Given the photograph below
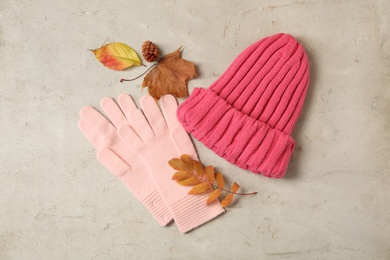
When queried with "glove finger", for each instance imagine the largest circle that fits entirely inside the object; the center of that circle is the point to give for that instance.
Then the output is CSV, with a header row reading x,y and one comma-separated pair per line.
x,y
169,108
131,139
127,104
92,134
183,142
141,125
113,112
153,115
97,120
112,162
135,117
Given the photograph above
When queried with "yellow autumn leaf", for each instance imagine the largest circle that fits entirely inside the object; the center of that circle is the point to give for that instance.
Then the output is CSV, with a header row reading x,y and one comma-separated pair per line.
x,y
117,56
199,168
213,196
177,164
200,188
235,187
189,182
181,175
220,180
227,200
187,161
210,174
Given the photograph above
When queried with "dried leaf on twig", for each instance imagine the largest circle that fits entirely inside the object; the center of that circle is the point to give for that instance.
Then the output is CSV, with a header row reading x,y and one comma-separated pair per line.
x,y
177,164
192,173
181,175
214,195
200,188
227,200
210,174
199,168
235,187
187,162
189,182
220,180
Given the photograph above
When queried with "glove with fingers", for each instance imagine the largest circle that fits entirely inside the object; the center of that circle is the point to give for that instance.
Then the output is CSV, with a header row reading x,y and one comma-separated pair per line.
x,y
155,140
114,154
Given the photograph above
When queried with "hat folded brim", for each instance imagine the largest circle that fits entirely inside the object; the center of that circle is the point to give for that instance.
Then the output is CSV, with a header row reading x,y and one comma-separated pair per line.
x,y
240,139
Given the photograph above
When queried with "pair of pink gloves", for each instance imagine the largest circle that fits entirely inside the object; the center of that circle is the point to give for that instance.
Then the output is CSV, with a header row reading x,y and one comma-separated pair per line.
x,y
136,146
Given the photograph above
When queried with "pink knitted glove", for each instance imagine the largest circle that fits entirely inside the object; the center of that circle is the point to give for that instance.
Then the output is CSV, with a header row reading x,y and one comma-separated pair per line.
x,y
157,140
113,153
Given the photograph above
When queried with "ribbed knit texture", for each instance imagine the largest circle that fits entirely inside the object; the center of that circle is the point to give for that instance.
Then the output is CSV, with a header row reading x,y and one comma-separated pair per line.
x,y
155,204
249,113
191,212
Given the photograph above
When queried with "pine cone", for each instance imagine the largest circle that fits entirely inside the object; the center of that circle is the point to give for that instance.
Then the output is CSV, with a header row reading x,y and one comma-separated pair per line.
x,y
150,51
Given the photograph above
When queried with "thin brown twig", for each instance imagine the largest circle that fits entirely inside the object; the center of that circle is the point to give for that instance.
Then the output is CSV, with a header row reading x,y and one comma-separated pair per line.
x,y
154,65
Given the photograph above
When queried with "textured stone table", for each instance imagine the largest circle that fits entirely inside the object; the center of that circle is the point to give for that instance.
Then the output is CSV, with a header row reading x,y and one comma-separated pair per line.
x,y
58,202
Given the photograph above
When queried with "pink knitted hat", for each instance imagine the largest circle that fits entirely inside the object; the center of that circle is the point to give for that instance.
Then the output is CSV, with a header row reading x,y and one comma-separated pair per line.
x,y
249,113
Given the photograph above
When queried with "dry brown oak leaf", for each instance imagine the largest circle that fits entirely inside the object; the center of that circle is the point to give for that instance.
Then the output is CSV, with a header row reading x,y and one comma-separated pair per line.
x,y
170,76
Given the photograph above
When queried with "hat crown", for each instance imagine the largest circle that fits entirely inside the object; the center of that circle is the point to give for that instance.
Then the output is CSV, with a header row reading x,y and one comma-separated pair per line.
x,y
268,81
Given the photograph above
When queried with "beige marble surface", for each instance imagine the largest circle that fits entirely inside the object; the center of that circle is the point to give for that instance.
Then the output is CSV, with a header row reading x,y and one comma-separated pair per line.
x,y
58,202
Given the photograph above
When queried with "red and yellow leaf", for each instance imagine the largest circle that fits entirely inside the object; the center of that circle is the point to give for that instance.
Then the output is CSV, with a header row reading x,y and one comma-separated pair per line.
x,y
227,200
117,56
220,180
210,174
189,182
181,175
177,164
235,187
199,168
187,162
170,76
214,195
200,188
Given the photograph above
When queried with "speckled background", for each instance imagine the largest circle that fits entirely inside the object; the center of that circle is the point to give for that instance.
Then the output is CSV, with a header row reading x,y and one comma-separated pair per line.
x,y
58,202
